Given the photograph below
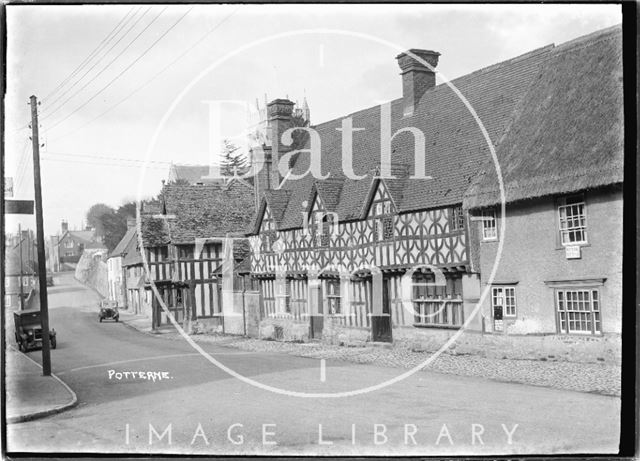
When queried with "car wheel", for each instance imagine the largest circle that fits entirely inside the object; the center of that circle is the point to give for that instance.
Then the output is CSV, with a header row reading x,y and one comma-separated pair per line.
x,y
22,347
53,343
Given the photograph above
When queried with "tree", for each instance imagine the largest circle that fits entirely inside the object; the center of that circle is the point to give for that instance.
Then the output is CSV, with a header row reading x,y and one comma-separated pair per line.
x,y
110,224
233,162
94,217
299,137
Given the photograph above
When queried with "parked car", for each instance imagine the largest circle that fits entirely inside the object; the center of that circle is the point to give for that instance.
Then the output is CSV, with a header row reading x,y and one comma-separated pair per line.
x,y
109,310
28,330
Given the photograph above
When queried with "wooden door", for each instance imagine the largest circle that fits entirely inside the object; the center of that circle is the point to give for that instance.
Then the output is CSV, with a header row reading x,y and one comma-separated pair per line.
x,y
381,324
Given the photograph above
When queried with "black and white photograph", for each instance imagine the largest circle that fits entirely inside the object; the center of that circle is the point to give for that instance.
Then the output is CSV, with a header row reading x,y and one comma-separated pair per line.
x,y
350,229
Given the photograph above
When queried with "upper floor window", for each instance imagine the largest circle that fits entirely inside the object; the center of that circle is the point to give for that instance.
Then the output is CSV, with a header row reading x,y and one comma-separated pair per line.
x,y
457,219
267,221
489,225
68,244
572,220
382,213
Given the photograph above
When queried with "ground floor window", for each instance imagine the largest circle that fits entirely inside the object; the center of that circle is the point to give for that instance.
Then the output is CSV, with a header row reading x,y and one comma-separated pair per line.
x,y
437,305
333,296
579,311
505,298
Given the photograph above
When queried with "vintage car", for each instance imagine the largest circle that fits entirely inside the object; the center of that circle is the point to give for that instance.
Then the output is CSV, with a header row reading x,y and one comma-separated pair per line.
x,y
109,310
28,327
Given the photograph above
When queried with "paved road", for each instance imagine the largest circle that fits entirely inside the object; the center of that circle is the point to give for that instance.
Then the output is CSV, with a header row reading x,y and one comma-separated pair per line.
x,y
205,410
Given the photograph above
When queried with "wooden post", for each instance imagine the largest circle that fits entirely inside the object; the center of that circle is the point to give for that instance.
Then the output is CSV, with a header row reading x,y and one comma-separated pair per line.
x,y
20,273
42,267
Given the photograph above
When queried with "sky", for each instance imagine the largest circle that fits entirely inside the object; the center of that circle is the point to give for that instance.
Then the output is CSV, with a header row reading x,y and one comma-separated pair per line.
x,y
125,90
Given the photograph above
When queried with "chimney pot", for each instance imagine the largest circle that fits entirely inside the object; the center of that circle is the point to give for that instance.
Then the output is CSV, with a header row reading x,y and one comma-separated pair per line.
x,y
418,76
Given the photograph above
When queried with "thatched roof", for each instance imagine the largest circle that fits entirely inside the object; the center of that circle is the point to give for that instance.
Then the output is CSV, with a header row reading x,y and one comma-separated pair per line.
x,y
567,132
455,145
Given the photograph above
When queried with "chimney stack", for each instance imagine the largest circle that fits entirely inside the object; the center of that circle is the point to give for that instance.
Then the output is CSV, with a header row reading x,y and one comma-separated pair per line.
x,y
131,223
279,119
64,226
417,78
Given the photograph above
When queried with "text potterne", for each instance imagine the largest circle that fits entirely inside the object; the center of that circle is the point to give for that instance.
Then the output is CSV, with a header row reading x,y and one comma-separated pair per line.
x,y
377,434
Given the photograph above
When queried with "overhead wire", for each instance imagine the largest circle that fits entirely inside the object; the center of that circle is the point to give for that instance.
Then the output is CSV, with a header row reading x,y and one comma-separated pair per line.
x,y
91,55
49,112
155,76
125,69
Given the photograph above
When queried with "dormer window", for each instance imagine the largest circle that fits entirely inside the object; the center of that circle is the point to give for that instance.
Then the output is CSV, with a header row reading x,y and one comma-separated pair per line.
x,y
382,214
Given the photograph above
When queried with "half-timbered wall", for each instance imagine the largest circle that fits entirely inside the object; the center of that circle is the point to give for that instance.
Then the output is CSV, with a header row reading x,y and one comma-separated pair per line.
x,y
199,269
384,239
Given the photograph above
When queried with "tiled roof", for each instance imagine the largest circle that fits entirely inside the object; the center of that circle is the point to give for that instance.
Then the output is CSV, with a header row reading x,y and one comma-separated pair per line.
x,y
132,255
567,134
121,247
329,192
200,212
455,145
85,237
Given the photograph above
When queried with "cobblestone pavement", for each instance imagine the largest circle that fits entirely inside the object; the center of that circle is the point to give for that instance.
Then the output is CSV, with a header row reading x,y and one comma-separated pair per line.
x,y
582,377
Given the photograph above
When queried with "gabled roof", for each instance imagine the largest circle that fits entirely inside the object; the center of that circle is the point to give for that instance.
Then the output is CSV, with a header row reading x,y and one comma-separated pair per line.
x,y
85,237
277,201
455,145
201,211
121,247
131,255
329,192
567,133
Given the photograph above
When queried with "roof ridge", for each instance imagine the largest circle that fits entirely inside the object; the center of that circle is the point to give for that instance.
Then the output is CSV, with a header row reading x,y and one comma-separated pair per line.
x,y
482,70
498,65
588,40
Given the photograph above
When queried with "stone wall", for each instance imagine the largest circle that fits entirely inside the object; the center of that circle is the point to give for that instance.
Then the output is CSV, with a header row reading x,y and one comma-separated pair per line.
x,y
92,271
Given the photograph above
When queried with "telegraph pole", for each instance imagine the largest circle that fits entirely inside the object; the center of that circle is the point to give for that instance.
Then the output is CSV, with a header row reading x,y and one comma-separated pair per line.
x,y
20,276
42,268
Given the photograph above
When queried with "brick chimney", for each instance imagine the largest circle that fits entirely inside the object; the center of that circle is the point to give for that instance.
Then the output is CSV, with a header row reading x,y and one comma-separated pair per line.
x,y
64,226
131,223
279,119
417,78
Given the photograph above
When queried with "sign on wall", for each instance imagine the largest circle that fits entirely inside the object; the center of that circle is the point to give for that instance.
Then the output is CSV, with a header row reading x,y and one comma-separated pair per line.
x,y
572,252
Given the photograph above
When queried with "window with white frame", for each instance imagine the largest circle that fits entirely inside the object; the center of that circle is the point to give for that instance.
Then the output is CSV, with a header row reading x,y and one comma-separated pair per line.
x,y
489,224
333,296
572,220
68,244
579,311
505,297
